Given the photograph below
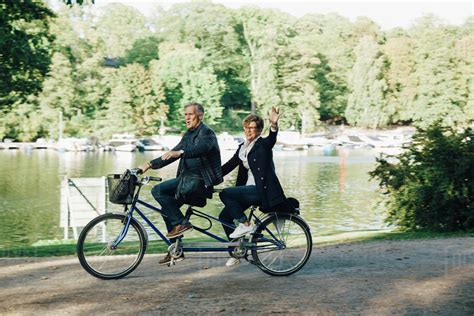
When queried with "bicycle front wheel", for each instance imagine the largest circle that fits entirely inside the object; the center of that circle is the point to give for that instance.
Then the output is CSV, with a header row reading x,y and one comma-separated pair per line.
x,y
99,251
283,244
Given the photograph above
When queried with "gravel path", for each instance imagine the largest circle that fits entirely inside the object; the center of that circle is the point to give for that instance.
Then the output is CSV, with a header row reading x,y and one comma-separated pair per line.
x,y
434,276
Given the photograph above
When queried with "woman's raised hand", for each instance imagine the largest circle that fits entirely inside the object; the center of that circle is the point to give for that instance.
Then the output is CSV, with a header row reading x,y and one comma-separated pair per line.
x,y
274,115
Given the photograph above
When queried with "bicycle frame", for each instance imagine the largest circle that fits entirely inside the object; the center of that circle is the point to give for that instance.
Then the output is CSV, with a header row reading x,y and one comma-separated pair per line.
x,y
220,244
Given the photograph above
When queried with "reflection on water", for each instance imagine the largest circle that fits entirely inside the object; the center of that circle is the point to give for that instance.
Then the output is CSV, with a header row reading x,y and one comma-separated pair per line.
x,y
333,188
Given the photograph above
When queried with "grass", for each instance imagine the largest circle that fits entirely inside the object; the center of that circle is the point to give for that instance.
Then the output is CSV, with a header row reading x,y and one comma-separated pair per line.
x,y
380,235
53,248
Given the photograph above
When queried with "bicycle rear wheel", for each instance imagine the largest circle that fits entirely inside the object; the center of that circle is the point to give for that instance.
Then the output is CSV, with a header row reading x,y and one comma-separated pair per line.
x,y
98,252
283,244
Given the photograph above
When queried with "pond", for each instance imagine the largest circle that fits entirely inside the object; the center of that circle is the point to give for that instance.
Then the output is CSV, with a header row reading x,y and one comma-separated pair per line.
x,y
334,189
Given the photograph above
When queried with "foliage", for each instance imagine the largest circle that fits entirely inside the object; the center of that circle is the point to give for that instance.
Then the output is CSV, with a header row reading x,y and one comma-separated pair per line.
x,y
332,91
134,104
399,50
119,28
431,185
298,91
217,37
142,52
438,95
111,69
367,105
24,47
187,78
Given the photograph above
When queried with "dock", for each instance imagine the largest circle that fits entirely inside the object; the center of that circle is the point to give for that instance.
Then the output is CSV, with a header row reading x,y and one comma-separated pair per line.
x,y
24,146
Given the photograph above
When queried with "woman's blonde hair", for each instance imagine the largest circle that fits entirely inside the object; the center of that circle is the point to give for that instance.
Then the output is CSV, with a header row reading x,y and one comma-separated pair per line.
x,y
254,118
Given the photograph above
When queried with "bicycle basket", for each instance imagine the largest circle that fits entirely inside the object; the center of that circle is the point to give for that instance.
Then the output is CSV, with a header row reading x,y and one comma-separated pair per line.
x,y
121,187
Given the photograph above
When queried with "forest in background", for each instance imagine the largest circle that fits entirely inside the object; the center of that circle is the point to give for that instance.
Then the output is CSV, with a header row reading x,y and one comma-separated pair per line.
x,y
115,70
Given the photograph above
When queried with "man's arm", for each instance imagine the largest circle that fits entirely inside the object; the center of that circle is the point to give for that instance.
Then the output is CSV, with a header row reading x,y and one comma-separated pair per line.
x,y
164,160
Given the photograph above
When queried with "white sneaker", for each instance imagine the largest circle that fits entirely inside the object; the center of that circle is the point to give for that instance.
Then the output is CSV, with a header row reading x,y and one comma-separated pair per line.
x,y
242,230
232,262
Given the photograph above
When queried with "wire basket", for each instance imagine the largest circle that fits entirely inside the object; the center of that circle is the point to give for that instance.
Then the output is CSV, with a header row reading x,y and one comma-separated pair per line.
x,y
121,187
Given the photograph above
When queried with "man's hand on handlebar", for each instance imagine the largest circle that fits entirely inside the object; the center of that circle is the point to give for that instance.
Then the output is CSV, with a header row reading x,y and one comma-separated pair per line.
x,y
143,168
135,171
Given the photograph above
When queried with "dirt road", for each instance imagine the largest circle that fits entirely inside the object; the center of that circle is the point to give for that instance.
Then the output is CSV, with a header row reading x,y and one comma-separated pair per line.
x,y
391,277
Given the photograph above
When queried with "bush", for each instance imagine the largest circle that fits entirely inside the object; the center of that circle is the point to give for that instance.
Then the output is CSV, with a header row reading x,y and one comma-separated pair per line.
x,y
430,186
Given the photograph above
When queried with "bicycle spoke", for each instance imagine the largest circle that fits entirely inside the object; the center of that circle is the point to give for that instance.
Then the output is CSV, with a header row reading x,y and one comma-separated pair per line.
x,y
288,232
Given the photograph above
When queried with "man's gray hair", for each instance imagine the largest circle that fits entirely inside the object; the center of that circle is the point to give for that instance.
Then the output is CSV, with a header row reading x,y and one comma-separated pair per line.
x,y
199,106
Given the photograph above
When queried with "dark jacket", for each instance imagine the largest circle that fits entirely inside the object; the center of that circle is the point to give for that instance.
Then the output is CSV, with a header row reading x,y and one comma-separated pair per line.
x,y
201,143
260,159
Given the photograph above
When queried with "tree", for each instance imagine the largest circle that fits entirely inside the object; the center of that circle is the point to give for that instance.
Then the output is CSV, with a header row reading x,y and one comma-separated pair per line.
x,y
187,77
367,105
333,91
135,104
430,186
58,95
297,88
402,85
143,51
119,28
463,48
261,31
25,49
214,30
332,37
439,91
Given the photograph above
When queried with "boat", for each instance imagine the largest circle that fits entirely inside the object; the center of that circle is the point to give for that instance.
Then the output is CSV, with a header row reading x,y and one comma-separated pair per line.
x,y
9,144
73,144
227,142
170,141
374,140
386,140
125,142
353,141
317,140
291,140
152,144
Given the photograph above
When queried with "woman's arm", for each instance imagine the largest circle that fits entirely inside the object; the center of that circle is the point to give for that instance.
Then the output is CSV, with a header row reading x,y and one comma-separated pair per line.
x,y
273,116
231,164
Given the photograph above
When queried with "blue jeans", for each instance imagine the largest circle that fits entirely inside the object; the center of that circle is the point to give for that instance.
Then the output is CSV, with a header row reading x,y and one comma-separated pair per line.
x,y
164,194
236,200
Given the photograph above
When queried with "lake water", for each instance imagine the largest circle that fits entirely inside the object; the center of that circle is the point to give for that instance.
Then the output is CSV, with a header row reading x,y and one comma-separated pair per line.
x,y
334,189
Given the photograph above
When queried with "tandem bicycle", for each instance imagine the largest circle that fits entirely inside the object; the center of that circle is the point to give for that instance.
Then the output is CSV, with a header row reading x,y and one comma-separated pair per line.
x,y
112,245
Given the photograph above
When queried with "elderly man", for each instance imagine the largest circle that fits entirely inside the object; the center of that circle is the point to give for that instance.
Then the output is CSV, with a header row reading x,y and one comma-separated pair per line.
x,y
199,156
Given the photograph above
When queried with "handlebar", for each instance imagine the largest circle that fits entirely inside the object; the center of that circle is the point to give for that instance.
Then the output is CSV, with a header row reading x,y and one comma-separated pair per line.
x,y
150,178
137,171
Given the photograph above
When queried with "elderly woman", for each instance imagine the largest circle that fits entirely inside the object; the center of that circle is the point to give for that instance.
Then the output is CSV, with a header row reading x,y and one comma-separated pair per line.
x,y
257,183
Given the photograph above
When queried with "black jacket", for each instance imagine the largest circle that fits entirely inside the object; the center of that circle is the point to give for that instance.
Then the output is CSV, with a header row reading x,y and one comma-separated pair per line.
x,y
260,159
201,143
